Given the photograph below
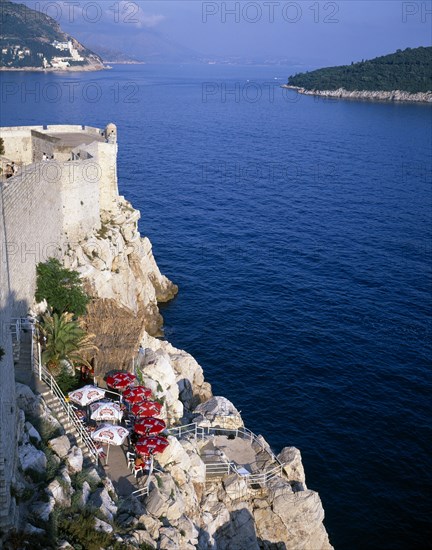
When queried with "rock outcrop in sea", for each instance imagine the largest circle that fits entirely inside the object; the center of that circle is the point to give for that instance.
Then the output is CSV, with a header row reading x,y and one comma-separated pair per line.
x,y
341,93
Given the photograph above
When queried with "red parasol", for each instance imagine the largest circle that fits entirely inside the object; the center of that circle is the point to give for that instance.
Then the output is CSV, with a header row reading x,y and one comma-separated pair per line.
x,y
120,380
146,426
147,408
151,445
135,394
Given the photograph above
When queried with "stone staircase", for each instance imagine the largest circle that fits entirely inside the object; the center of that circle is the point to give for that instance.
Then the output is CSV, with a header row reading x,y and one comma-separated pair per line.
x,y
22,359
54,404
26,375
4,499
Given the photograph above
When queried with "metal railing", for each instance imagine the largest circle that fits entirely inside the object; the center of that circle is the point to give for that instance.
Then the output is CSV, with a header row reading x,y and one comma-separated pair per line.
x,y
143,491
223,468
218,469
203,431
45,376
180,431
263,478
49,380
18,324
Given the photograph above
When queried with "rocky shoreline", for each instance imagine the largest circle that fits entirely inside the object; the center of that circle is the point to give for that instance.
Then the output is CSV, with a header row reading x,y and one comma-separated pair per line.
x,y
341,93
184,509
84,68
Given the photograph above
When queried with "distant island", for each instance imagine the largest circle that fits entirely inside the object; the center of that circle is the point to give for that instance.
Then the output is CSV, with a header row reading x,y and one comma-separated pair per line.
x,y
401,76
31,40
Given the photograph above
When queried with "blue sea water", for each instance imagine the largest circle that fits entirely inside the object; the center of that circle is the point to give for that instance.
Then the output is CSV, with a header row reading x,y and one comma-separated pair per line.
x,y
299,232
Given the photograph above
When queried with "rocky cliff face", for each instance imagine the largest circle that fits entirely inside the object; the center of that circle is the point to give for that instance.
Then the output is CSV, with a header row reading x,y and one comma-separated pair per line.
x,y
118,264
185,508
122,276
396,95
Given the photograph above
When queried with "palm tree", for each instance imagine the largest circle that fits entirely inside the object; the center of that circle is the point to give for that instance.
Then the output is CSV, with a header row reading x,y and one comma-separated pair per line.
x,y
65,341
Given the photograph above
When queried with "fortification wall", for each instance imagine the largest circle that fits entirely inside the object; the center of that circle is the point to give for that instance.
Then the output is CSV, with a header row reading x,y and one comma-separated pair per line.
x,y
23,145
42,144
33,214
105,156
80,182
46,207
18,144
7,387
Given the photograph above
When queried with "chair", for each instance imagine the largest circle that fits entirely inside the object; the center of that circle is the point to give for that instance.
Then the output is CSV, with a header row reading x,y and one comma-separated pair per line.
x,y
130,459
138,469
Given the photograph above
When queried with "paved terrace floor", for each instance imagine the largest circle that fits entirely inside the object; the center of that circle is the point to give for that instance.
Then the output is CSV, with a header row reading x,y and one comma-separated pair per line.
x,y
236,450
117,470
71,139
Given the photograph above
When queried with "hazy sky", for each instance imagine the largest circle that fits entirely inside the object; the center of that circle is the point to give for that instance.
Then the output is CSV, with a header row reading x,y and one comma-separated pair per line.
x,y
306,32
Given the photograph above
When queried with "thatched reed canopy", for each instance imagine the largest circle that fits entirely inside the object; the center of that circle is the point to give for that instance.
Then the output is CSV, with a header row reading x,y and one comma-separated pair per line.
x,y
118,332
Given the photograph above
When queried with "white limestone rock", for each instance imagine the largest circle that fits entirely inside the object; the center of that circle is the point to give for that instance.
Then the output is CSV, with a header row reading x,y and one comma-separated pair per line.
x,y
85,494
290,457
103,526
42,510
185,525
158,375
170,539
109,486
218,411
189,374
239,532
374,95
31,458
144,538
211,521
235,487
197,469
176,507
60,445
119,265
151,524
156,503
33,434
101,500
60,492
74,460
93,476
131,506
27,400
21,432
294,518
174,454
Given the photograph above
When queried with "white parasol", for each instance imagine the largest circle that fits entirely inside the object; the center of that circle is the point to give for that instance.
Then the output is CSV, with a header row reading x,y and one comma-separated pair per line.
x,y
112,435
86,395
106,411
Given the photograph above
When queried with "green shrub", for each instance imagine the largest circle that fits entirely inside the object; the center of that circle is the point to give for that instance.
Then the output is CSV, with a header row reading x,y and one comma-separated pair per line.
x,y
35,475
60,287
53,465
79,530
67,381
159,481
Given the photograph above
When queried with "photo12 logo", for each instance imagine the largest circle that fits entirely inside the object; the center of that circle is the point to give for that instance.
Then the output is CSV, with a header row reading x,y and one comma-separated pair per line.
x,y
253,92
69,91
417,12
270,12
74,11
